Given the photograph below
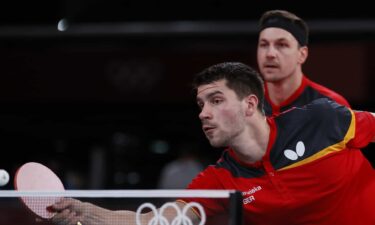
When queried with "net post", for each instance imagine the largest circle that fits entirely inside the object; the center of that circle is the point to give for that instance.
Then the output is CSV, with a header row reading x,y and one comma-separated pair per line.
x,y
235,208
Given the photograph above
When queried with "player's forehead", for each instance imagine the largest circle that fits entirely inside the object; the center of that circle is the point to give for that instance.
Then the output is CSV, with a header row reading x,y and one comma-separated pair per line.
x,y
214,87
272,34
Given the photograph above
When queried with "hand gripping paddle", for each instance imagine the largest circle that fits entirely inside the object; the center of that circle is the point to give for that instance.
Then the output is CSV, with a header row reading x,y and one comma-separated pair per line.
x,y
34,176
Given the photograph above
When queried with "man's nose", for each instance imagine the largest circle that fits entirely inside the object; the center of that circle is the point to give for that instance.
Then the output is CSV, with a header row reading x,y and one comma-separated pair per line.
x,y
205,113
271,51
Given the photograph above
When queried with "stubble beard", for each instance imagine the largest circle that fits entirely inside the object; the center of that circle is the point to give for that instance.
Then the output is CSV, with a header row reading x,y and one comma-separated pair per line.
x,y
218,140
272,78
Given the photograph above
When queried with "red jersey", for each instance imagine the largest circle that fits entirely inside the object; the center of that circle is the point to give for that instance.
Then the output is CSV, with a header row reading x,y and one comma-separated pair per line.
x,y
306,93
313,171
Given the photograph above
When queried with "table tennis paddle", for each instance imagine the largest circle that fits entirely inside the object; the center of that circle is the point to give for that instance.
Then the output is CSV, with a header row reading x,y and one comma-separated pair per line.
x,y
36,177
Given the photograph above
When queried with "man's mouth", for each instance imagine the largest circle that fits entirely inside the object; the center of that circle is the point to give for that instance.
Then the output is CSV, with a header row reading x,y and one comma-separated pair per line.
x,y
270,66
208,129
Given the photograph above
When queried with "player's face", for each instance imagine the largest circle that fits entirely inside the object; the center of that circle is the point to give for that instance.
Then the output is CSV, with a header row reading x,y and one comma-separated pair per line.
x,y
222,113
279,55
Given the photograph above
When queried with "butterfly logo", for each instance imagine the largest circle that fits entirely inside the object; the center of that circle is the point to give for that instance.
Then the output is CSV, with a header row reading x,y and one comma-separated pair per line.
x,y
293,155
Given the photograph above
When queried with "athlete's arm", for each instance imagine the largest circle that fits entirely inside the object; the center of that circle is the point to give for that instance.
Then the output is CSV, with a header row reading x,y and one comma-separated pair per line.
x,y
72,212
364,129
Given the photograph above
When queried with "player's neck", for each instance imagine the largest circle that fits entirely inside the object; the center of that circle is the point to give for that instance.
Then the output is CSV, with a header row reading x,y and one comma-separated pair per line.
x,y
252,146
280,91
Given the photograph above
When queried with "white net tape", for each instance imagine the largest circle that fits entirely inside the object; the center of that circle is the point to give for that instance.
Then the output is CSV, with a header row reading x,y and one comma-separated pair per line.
x,y
121,193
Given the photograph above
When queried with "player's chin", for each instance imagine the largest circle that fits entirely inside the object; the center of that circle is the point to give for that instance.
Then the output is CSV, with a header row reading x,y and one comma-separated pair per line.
x,y
273,78
215,142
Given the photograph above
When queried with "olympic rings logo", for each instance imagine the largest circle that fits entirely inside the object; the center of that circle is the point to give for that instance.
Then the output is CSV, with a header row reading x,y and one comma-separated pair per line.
x,y
180,219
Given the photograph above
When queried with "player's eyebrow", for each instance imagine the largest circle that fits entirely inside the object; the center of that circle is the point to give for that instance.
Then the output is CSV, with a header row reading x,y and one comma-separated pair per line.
x,y
209,95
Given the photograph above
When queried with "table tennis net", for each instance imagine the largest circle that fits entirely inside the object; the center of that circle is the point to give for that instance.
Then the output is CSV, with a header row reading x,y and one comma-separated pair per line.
x,y
160,203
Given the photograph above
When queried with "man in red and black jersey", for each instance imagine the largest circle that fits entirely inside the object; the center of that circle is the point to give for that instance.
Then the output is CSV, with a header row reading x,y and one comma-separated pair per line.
x,y
282,50
303,166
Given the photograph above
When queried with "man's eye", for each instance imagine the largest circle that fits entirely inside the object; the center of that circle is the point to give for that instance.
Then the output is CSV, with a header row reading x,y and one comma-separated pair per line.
x,y
282,45
216,101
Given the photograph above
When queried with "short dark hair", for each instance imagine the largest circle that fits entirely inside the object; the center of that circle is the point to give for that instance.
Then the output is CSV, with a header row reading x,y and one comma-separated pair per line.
x,y
241,78
287,21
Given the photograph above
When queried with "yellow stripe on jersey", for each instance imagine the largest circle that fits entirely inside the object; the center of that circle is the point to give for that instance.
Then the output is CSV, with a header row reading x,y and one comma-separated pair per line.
x,y
330,149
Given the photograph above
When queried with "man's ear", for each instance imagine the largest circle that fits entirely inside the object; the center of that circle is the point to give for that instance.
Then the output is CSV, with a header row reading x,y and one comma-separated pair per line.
x,y
304,53
251,102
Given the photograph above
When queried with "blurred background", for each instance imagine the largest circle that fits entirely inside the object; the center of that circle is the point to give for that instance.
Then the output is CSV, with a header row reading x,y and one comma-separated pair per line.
x,y
99,90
